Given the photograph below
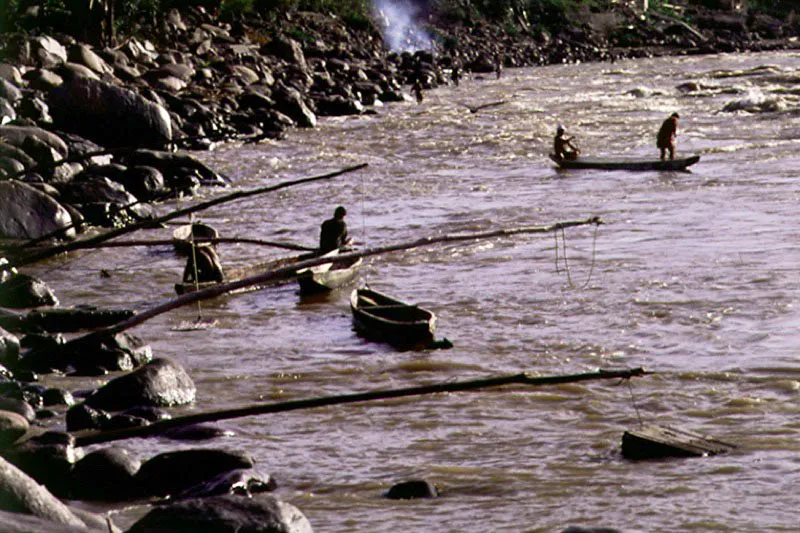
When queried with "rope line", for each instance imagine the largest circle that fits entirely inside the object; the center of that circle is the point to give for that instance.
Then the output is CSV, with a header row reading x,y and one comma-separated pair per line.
x,y
633,402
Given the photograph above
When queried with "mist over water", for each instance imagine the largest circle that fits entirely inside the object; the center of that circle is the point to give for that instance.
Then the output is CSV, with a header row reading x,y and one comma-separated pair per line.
x,y
693,275
401,31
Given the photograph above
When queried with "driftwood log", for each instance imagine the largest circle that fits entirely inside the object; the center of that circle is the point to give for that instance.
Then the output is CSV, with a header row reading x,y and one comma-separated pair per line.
x,y
85,438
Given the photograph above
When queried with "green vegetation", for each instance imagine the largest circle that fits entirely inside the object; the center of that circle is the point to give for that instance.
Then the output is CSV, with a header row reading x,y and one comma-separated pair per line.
x,y
100,21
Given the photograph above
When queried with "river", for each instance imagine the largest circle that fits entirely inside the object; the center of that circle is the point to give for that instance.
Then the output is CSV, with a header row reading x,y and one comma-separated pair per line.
x,y
694,275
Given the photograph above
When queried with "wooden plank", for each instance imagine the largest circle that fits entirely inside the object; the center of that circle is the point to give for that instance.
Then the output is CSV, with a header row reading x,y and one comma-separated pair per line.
x,y
656,442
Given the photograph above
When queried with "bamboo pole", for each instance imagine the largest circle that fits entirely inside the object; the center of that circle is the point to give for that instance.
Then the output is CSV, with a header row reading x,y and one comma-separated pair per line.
x,y
85,438
77,245
268,275
214,240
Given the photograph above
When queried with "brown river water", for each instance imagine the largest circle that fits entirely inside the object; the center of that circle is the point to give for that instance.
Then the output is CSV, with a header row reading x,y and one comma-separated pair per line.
x,y
693,276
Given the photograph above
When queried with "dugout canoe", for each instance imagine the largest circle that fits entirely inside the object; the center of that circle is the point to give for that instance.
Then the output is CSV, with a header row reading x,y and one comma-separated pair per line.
x,y
329,276
379,317
626,163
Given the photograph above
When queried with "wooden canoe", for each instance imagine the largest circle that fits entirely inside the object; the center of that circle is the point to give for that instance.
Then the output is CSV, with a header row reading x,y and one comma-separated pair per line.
x,y
181,235
245,272
382,318
658,442
628,163
329,276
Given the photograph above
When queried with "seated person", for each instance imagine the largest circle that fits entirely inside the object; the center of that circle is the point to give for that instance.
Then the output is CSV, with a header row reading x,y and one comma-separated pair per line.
x,y
205,262
563,147
333,233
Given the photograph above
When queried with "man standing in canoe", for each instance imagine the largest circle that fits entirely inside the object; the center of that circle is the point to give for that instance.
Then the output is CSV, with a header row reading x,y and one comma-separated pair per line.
x,y
333,233
666,136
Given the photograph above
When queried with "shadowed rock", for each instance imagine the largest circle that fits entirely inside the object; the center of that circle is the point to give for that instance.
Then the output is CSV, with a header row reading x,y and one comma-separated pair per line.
x,y
226,514
107,474
28,213
109,115
174,472
417,488
25,291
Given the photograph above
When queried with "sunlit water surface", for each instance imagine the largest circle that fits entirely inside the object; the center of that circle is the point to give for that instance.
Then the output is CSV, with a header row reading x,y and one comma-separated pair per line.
x,y
694,275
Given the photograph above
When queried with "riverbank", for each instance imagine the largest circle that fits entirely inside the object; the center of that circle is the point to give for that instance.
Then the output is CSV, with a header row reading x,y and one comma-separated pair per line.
x,y
129,417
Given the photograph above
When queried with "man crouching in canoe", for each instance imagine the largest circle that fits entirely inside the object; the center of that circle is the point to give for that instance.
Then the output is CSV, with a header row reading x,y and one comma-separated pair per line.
x,y
202,265
563,147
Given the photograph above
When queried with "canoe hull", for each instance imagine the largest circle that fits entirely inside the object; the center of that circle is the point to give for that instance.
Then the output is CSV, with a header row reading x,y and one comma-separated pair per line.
x,y
329,276
627,163
381,318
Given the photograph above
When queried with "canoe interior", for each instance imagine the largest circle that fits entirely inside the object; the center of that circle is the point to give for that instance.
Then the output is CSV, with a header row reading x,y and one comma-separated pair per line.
x,y
382,318
328,276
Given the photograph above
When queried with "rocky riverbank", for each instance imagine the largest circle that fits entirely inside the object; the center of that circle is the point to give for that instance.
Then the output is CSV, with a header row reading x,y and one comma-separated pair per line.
x,y
87,139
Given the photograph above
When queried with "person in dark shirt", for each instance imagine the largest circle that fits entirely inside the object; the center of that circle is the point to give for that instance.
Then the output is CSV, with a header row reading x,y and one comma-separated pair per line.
x,y
666,136
333,233
563,147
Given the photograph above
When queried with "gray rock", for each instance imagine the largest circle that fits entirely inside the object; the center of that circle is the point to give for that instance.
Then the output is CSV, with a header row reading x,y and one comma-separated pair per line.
x,y
82,416
145,182
23,136
287,49
48,50
43,79
160,383
10,73
71,71
244,74
9,91
19,407
289,102
28,213
9,348
337,105
240,482
25,523
10,166
7,112
12,426
97,111
226,514
36,109
172,163
8,150
83,55
25,291
169,84
21,494
92,189
48,461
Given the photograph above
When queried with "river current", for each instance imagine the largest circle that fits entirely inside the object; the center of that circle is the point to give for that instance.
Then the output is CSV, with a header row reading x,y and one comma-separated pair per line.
x,y
694,276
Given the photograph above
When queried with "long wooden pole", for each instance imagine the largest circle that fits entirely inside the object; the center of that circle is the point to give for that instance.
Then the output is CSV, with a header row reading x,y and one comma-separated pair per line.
x,y
268,275
85,438
213,240
77,245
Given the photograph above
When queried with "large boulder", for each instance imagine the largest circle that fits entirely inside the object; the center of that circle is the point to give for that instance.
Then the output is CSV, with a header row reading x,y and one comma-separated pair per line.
x,y
290,102
109,115
161,383
12,426
21,494
224,514
24,136
22,290
171,473
107,474
29,213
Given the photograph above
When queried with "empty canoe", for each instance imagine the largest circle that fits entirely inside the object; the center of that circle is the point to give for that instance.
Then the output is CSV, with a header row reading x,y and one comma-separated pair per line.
x,y
382,318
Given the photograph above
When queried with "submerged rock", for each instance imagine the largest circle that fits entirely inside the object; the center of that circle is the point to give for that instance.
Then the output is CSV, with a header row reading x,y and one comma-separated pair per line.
x,y
417,488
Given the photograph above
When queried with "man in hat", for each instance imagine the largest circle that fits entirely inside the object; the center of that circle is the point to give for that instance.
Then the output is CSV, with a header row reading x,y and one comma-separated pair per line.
x,y
203,264
563,147
333,233
666,136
